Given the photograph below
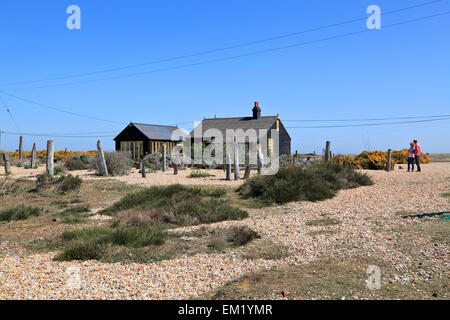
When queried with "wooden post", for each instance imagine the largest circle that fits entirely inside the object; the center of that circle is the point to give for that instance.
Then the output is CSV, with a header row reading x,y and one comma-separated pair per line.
x,y
7,165
164,159
101,154
175,169
50,155
144,174
228,166
33,156
389,160
20,148
248,170
327,151
236,161
259,161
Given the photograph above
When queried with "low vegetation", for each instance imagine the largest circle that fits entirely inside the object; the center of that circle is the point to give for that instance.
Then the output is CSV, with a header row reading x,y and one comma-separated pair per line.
x,y
62,184
20,212
141,221
118,163
317,182
376,160
322,222
198,174
178,205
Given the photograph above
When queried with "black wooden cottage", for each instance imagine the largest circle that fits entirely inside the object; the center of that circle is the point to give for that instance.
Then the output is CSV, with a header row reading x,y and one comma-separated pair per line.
x,y
139,139
256,122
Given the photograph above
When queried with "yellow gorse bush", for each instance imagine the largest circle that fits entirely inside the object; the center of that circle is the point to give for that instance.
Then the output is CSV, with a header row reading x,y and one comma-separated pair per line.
x,y
59,155
376,160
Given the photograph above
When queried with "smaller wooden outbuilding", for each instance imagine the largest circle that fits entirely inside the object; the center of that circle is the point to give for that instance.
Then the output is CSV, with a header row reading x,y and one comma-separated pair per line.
x,y
139,139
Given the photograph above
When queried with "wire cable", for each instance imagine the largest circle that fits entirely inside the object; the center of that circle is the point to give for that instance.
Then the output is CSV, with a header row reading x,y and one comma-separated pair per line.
x,y
238,56
9,112
367,119
59,109
367,124
219,49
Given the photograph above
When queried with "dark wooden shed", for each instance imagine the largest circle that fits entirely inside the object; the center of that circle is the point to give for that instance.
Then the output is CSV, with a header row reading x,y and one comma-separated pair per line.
x,y
139,139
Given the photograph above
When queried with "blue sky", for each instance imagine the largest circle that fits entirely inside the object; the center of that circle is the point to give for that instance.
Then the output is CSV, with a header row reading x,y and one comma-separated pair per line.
x,y
392,72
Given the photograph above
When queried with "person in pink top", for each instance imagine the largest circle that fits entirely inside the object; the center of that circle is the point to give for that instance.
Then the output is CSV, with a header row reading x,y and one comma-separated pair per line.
x,y
411,157
417,153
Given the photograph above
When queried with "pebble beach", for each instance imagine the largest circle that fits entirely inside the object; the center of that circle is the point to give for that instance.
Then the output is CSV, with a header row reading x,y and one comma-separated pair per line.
x,y
362,213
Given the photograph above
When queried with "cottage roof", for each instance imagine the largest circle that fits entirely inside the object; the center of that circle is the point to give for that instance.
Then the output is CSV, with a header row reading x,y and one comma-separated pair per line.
x,y
155,131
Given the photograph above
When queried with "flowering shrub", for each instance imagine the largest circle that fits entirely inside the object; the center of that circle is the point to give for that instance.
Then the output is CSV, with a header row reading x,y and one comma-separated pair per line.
x,y
376,160
59,155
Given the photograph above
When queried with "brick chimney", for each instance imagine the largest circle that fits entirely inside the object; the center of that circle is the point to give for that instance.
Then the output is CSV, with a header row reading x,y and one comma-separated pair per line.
x,y
256,111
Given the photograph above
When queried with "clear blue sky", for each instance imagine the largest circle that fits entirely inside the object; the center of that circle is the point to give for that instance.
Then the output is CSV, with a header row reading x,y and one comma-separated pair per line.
x,y
392,72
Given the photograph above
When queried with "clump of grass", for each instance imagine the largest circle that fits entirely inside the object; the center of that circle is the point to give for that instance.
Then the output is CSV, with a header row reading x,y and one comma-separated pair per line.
x,y
118,163
21,212
267,250
75,215
94,242
199,174
317,182
232,237
178,205
446,195
323,222
61,184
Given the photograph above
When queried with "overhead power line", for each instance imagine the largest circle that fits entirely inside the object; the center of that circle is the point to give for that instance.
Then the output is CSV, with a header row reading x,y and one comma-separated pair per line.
x,y
9,112
366,119
368,124
245,44
70,135
59,109
237,56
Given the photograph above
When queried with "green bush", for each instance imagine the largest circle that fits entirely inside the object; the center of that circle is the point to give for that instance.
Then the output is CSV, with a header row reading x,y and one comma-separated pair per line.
x,y
78,163
179,205
93,243
61,184
317,182
199,174
118,163
21,212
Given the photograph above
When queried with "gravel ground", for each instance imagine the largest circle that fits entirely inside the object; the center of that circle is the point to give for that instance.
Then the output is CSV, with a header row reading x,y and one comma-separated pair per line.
x,y
217,177
367,215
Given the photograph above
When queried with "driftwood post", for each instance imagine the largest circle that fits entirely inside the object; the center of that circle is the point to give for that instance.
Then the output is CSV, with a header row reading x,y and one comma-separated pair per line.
x,y
164,159
101,155
33,156
175,169
236,161
7,166
50,155
327,151
389,160
228,166
248,170
259,161
20,148
143,172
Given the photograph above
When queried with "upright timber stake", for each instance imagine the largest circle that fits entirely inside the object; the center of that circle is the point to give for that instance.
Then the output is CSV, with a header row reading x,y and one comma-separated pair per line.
x,y
248,170
228,167
389,160
259,161
236,161
50,155
164,164
33,156
327,151
144,174
175,169
101,155
20,148
7,166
